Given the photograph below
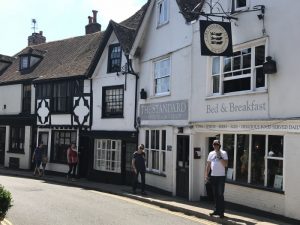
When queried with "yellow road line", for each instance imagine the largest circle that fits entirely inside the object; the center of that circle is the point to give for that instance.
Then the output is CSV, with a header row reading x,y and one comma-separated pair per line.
x,y
192,218
7,222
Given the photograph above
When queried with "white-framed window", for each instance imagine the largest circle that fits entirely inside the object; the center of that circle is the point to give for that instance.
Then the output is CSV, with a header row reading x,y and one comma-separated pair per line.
x,y
238,5
162,73
155,148
255,159
162,12
241,72
107,155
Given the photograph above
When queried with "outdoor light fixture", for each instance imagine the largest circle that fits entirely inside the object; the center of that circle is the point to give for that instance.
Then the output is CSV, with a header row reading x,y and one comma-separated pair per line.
x,y
143,94
269,66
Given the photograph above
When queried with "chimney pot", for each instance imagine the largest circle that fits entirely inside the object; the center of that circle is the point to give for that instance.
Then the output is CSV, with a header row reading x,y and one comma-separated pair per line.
x,y
94,16
90,19
41,33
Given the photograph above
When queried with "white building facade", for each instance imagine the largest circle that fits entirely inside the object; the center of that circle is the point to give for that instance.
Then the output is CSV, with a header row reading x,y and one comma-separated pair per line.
x,y
230,98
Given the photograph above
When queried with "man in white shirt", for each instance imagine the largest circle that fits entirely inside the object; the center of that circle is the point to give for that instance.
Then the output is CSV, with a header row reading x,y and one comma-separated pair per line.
x,y
217,161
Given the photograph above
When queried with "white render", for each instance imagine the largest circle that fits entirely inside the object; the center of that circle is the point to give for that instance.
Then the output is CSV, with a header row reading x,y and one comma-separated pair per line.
x,y
10,99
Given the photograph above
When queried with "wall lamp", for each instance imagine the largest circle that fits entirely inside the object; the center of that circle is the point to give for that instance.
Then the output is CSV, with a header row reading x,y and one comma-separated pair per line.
x,y
143,94
269,66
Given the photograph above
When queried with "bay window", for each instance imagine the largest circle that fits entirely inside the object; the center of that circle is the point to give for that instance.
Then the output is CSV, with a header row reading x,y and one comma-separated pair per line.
x,y
241,72
155,149
255,159
107,155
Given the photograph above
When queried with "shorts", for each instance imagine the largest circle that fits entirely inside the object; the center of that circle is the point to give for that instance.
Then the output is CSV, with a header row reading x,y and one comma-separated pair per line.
x,y
38,163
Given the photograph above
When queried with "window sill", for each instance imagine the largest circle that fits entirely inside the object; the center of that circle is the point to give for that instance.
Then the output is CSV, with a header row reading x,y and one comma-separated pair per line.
x,y
263,188
237,94
156,173
162,24
160,95
22,152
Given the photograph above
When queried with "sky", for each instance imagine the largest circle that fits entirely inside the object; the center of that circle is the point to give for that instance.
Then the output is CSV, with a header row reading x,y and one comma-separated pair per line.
x,y
58,19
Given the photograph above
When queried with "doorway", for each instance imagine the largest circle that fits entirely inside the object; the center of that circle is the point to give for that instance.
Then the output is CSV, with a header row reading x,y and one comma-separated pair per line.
x,y
84,151
130,149
182,166
2,145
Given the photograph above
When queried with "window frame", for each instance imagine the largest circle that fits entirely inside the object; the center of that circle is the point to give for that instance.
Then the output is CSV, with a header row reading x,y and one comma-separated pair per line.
x,y
252,75
26,100
237,9
32,61
110,69
103,153
67,139
165,76
18,141
118,114
165,7
160,149
249,181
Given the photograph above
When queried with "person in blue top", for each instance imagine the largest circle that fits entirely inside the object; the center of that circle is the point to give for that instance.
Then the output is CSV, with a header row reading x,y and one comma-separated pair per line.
x,y
37,159
139,167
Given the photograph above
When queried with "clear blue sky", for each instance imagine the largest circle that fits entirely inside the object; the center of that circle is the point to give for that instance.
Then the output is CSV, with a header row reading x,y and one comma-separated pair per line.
x,y
58,19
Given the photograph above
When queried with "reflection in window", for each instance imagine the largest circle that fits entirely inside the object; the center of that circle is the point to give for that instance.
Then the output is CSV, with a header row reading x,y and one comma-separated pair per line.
x,y
242,147
258,159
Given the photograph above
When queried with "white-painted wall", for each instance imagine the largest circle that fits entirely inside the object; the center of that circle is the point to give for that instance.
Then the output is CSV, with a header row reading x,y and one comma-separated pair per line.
x,y
103,79
11,96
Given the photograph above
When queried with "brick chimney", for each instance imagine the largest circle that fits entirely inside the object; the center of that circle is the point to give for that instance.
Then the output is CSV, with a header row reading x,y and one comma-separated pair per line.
x,y
93,26
36,38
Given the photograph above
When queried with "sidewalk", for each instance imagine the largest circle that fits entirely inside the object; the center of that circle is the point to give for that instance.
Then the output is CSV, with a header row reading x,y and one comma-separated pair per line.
x,y
197,209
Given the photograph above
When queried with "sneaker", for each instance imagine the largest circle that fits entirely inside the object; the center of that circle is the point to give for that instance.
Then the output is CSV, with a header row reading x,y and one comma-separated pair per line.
x,y
214,213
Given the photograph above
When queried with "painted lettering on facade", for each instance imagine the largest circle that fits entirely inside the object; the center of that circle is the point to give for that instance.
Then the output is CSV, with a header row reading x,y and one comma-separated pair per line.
x,y
231,107
175,110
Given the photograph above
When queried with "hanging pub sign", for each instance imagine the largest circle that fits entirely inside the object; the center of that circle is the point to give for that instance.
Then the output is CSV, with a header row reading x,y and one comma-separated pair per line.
x,y
215,38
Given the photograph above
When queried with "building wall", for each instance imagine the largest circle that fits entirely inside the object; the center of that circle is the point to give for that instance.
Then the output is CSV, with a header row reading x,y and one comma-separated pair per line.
x,y
11,97
104,79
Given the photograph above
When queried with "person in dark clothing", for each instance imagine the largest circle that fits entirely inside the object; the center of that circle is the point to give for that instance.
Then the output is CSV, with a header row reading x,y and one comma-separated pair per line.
x,y
139,167
72,157
37,159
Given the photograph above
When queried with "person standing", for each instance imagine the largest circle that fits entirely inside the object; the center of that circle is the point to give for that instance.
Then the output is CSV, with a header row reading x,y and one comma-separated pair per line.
x,y
37,159
139,167
217,161
72,157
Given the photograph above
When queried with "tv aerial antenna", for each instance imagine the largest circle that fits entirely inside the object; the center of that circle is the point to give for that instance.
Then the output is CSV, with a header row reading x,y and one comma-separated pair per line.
x,y
34,25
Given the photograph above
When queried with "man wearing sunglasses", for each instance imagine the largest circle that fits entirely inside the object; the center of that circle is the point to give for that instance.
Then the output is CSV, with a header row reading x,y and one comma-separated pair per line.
x,y
217,161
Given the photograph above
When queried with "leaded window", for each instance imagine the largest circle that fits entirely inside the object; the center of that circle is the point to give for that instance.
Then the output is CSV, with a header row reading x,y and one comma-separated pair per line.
x,y
113,101
114,58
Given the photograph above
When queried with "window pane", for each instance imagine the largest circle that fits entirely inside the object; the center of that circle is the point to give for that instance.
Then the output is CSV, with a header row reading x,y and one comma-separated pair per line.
x,y
257,159
152,139
242,84
260,77
259,55
246,61
227,65
275,173
157,139
228,146
147,139
275,148
237,63
216,65
241,3
216,84
155,160
242,158
163,139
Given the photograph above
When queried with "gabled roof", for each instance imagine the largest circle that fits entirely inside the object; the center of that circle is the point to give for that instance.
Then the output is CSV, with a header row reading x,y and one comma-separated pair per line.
x,y
189,8
6,58
125,32
60,59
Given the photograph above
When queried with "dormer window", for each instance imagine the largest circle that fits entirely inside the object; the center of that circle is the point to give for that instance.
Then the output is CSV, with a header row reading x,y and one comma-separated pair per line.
x,y
163,12
28,61
114,58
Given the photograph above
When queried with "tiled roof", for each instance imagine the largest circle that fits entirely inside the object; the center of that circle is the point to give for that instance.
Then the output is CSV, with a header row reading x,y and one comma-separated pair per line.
x,y
65,58
187,6
6,58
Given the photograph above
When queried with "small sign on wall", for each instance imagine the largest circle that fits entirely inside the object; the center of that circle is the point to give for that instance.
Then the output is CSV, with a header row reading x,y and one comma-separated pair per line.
x,y
197,153
169,147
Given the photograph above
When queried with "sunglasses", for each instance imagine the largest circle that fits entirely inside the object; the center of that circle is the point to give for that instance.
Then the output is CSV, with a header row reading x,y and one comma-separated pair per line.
x,y
216,144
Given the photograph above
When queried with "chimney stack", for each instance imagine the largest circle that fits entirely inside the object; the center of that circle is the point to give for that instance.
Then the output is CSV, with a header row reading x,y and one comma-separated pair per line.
x,y
36,39
93,26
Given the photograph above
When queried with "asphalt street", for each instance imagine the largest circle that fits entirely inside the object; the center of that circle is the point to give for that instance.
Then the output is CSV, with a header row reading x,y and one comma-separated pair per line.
x,y
37,202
